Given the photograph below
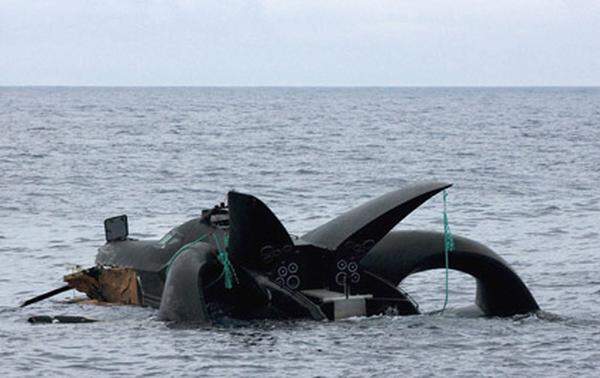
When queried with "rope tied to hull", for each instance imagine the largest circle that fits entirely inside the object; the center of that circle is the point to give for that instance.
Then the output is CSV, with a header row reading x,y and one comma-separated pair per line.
x,y
448,246
228,271
183,249
223,257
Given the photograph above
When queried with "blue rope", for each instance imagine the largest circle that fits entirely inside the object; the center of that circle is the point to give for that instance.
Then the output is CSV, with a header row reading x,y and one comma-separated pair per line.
x,y
448,246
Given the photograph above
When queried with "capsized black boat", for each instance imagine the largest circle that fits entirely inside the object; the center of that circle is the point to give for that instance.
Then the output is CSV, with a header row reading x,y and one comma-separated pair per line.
x,y
239,260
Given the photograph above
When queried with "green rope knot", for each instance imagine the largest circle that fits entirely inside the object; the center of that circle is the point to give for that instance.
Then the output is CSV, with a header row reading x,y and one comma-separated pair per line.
x,y
448,238
448,245
223,257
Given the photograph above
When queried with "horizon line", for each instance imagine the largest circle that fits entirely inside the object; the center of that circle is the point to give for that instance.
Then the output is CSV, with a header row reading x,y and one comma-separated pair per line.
x,y
290,86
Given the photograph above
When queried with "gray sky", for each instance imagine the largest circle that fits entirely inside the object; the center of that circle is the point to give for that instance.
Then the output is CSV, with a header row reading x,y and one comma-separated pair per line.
x,y
402,42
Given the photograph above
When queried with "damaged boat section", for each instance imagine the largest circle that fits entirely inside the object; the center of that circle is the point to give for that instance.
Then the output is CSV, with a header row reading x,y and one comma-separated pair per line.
x,y
238,259
106,284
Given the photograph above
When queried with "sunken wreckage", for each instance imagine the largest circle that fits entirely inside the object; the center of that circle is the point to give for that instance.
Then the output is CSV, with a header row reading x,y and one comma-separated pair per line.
x,y
238,260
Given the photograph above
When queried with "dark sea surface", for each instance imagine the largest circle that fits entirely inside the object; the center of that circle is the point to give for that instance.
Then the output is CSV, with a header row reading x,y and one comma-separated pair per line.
x,y
525,163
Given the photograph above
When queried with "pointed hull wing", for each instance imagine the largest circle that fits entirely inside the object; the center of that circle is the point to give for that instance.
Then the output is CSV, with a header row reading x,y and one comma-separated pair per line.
x,y
362,227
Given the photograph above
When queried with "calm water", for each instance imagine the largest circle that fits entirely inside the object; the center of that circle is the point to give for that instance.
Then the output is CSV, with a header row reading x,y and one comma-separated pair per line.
x,y
526,168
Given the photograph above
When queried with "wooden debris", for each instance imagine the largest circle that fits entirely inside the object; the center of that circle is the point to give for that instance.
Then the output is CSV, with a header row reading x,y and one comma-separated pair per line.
x,y
114,285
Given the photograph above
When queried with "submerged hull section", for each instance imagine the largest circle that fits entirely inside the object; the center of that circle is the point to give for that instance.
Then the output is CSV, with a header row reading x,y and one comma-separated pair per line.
x,y
500,291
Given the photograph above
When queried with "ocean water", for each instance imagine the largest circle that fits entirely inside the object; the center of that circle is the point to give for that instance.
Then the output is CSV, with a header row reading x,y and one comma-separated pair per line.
x,y
525,163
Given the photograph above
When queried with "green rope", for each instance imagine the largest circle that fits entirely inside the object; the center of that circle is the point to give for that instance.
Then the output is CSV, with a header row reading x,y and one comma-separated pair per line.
x,y
226,241
224,260
448,245
222,256
183,249
165,239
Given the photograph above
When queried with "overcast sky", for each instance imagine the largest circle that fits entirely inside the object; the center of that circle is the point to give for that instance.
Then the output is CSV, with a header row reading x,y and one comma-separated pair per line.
x,y
254,42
